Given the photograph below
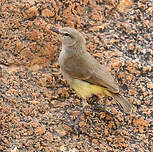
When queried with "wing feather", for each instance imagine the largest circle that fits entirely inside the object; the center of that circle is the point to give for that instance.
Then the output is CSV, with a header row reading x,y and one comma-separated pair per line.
x,y
85,67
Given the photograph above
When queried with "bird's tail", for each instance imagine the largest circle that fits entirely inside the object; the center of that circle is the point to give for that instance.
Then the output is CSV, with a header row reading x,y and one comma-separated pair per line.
x,y
123,102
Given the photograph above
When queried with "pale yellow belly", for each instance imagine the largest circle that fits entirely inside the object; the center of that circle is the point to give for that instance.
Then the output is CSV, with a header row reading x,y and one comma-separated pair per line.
x,y
85,89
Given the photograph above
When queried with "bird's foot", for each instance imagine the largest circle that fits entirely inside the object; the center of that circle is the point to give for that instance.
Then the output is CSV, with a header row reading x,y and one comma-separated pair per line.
x,y
75,123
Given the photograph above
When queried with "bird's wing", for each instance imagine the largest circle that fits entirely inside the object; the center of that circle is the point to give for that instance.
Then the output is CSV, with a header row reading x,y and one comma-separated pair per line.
x,y
85,67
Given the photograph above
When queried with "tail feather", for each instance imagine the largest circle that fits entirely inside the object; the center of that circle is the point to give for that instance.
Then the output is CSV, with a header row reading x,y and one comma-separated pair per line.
x,y
123,102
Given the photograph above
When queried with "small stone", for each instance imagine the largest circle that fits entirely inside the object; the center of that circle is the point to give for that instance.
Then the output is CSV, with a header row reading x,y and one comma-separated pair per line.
x,y
150,85
63,148
32,12
40,130
131,47
61,131
82,124
47,13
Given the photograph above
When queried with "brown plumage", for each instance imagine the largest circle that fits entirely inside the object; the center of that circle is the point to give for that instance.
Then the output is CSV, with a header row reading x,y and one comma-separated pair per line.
x,y
83,72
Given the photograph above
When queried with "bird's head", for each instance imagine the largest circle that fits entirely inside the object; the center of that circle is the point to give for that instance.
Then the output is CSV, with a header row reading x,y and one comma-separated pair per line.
x,y
70,36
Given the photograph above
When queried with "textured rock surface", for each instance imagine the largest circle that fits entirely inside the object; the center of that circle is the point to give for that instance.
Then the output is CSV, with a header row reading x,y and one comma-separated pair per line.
x,y
35,100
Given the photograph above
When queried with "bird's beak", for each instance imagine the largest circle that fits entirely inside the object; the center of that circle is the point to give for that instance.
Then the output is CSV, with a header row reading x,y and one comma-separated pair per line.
x,y
55,30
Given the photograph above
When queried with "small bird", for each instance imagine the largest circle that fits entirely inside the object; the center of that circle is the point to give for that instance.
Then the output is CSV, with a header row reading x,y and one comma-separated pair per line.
x,y
83,72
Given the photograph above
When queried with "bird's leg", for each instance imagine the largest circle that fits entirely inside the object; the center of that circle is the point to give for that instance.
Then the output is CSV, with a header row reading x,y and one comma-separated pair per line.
x,y
85,106
84,103
75,123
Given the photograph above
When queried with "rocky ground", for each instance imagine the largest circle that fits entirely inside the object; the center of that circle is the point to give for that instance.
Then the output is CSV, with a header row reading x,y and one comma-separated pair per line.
x,y
36,102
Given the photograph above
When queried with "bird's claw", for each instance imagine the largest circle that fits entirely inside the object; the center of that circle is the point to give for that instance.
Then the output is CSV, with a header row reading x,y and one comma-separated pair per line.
x,y
75,123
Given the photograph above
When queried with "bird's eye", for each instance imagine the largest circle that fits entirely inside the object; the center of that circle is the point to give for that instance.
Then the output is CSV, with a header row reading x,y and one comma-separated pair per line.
x,y
66,34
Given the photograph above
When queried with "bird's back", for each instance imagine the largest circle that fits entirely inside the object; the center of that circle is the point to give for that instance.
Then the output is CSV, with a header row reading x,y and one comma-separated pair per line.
x,y
85,67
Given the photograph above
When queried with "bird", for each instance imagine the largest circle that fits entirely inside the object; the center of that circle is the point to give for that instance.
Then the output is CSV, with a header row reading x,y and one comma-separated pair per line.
x,y
83,72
